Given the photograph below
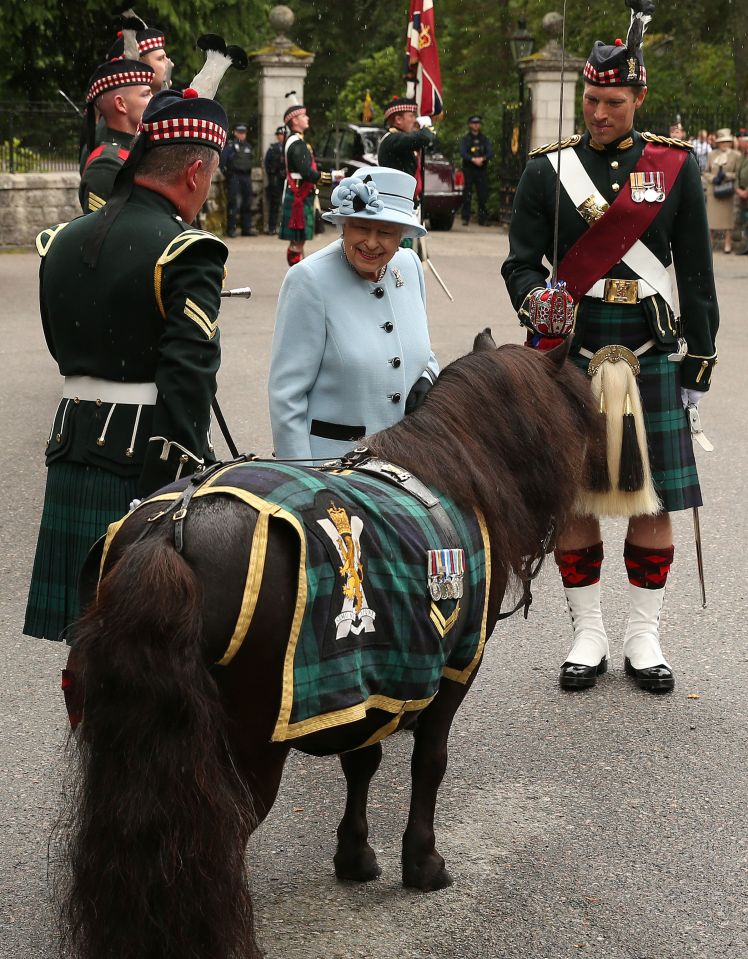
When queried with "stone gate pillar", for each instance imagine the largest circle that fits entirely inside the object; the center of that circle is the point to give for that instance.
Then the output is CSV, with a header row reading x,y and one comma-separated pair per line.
x,y
541,75
283,66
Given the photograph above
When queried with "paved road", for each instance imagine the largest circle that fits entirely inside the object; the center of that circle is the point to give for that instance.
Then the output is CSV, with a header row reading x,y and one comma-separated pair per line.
x,y
609,824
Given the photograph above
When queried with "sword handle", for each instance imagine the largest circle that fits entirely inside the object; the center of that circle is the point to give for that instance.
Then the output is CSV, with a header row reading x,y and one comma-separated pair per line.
x,y
243,291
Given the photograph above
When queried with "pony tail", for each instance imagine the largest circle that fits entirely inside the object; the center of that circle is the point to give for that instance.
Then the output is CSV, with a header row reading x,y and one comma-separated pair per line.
x,y
158,818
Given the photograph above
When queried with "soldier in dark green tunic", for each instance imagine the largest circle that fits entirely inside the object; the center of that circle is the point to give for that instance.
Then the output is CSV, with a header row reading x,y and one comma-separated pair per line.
x,y
407,136
129,302
630,205
120,91
302,176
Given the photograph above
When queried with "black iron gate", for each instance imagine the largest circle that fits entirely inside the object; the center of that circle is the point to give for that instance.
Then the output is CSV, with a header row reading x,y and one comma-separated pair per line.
x,y
39,137
515,144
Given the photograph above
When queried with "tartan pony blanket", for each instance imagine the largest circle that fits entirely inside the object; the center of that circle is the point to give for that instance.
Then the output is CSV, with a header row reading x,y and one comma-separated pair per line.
x,y
383,610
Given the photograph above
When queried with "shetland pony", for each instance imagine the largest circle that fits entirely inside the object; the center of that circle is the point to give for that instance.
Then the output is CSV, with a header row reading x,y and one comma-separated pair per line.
x,y
175,764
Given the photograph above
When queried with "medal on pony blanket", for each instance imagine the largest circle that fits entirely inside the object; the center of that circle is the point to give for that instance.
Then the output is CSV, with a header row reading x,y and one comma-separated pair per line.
x,y
445,569
551,316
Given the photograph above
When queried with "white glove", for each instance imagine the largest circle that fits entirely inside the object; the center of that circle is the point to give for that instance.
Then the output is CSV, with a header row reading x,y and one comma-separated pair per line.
x,y
690,397
424,122
134,504
337,175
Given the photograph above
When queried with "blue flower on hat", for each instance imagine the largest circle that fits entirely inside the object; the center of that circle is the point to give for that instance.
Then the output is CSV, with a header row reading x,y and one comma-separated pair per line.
x,y
354,195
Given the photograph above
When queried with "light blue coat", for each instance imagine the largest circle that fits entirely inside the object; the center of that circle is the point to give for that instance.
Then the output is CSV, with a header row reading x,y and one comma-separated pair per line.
x,y
333,358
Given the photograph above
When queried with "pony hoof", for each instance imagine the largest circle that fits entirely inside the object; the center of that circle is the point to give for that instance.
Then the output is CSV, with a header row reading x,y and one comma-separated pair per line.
x,y
359,868
426,878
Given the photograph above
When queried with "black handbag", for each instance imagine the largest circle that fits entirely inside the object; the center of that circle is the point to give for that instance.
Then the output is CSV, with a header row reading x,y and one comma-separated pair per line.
x,y
722,188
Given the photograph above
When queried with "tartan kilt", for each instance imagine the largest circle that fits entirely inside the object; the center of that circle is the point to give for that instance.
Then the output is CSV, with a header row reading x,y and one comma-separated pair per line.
x,y
297,236
669,441
79,504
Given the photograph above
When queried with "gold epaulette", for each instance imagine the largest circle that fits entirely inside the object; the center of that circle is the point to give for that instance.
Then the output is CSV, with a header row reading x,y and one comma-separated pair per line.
x,y
180,243
551,147
667,141
173,249
47,237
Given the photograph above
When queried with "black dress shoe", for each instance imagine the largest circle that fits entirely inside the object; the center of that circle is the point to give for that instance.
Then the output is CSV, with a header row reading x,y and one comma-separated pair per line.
x,y
655,679
576,676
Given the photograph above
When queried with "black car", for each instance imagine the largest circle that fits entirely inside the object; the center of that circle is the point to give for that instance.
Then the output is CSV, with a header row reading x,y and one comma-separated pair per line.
x,y
349,146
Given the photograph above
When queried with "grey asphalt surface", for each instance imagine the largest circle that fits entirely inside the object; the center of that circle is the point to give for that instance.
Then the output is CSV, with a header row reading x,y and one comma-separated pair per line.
x,y
610,823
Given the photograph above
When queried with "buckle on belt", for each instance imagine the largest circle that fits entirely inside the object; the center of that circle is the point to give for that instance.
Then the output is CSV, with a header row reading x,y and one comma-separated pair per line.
x,y
621,291
614,353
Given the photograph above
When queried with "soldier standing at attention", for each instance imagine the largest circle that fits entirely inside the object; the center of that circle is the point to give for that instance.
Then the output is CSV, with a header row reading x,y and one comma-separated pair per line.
x,y
236,166
302,175
129,299
120,91
275,170
407,135
630,204
476,151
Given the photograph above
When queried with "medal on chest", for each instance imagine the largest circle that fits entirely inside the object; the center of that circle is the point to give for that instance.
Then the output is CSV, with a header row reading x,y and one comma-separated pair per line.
x,y
648,187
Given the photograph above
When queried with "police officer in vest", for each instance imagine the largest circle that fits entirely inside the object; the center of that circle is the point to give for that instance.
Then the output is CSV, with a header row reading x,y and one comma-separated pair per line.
x,y
119,91
476,151
630,205
236,166
129,300
275,169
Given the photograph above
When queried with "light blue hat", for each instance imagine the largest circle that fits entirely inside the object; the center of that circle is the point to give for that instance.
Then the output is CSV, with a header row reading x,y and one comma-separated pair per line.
x,y
377,193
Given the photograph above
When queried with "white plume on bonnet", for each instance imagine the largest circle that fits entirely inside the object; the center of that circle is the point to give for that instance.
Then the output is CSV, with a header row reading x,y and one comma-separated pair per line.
x,y
217,62
131,23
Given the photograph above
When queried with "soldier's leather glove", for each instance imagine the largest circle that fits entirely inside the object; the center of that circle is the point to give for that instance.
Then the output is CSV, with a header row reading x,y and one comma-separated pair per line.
x,y
690,397
417,394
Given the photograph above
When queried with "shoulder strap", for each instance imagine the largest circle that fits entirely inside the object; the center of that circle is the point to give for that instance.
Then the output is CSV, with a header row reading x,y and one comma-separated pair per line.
x,y
47,237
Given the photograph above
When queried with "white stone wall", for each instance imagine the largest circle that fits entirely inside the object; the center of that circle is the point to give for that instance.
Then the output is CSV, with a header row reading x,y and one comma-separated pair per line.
x,y
29,202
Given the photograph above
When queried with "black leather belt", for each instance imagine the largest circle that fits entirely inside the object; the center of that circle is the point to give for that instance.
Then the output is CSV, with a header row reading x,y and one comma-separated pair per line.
x,y
337,431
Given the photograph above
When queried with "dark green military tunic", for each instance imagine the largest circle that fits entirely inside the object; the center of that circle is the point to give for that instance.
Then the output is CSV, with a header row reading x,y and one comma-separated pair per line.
x,y
147,314
401,151
679,235
301,174
101,168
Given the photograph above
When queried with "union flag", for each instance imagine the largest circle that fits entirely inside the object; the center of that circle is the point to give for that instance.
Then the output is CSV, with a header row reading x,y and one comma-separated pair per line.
x,y
424,73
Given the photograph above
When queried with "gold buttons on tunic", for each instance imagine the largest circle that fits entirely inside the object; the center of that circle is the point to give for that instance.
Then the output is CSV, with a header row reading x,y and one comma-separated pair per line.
x,y
615,187
99,442
184,458
76,400
130,452
59,437
614,164
98,402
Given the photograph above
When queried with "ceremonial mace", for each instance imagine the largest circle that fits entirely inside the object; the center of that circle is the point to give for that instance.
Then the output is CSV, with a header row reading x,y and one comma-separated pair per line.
x,y
243,292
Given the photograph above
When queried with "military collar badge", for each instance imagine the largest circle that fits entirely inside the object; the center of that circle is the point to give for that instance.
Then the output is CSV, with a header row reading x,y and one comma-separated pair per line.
x,y
648,187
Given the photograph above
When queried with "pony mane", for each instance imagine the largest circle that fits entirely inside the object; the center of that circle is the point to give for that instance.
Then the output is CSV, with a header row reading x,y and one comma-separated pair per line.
x,y
505,431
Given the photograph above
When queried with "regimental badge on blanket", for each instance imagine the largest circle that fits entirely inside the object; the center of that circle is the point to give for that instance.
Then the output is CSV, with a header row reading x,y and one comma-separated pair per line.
x,y
648,187
355,616
445,569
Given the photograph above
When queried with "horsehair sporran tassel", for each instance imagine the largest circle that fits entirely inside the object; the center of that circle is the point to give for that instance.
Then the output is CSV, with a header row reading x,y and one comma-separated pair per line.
x,y
631,469
612,383
597,477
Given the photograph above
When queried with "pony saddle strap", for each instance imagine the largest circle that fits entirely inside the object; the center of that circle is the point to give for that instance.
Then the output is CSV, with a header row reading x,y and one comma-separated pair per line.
x,y
404,480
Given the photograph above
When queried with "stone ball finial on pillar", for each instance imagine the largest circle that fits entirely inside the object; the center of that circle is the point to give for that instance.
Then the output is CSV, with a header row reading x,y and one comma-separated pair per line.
x,y
281,18
553,24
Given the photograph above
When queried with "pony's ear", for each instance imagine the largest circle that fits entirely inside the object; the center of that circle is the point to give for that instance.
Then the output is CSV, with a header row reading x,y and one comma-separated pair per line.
x,y
559,353
484,341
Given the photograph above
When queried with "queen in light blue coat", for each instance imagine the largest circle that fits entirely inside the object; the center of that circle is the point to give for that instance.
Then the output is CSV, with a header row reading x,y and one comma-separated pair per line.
x,y
351,349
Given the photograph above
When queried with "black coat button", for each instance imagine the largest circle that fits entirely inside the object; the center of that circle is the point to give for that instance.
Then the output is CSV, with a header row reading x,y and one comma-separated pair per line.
x,y
388,327
396,361
395,397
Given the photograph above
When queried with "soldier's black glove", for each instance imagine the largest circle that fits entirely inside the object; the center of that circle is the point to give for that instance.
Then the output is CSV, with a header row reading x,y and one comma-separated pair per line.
x,y
417,394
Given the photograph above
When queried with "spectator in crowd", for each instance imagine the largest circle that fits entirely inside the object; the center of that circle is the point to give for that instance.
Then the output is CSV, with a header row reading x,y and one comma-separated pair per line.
x,y
722,170
476,151
701,148
677,131
275,169
236,166
741,189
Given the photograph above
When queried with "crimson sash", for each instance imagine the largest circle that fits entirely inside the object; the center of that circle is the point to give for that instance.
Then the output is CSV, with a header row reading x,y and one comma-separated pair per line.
x,y
297,219
612,236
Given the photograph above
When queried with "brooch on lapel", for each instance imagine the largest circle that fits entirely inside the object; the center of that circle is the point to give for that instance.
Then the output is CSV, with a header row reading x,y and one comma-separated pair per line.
x,y
399,281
